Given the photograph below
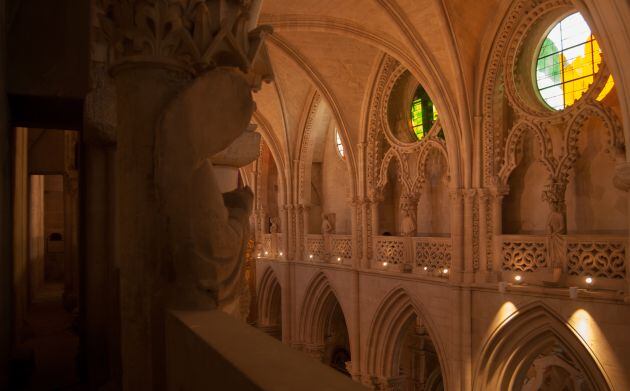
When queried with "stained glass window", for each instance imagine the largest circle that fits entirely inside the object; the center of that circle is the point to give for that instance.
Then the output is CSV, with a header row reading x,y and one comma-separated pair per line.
x,y
423,113
340,151
567,62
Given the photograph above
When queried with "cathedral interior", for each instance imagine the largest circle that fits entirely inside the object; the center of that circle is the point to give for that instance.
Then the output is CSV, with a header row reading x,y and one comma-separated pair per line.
x,y
279,195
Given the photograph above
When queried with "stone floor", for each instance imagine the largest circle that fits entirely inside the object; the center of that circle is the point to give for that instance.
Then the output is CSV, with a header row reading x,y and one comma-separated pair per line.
x,y
53,343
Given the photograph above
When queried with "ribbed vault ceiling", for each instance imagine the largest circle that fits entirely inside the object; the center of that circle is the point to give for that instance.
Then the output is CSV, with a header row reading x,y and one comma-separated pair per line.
x,y
334,47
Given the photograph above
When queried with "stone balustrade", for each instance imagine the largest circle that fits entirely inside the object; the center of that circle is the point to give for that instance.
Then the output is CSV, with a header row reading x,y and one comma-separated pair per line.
x,y
420,255
272,246
598,256
314,246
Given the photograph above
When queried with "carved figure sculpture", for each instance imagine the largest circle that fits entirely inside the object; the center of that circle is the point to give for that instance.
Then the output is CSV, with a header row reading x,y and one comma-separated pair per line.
x,y
407,225
274,225
328,224
206,232
556,229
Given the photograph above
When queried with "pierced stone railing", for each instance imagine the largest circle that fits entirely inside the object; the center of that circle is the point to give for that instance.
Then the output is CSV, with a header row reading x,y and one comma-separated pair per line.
x,y
341,247
267,244
602,256
524,253
422,255
272,246
314,246
431,254
392,250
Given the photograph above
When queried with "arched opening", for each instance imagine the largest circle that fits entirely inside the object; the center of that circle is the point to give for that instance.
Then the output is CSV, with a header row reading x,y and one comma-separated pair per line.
x,y
270,187
418,363
326,181
337,341
270,305
389,219
433,204
535,350
401,351
594,204
524,211
323,329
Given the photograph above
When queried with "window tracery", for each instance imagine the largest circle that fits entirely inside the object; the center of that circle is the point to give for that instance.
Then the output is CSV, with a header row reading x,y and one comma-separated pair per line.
x,y
567,62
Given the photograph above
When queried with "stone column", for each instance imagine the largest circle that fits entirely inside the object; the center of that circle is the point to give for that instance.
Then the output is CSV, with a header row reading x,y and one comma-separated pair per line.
x,y
496,200
299,232
483,236
5,210
375,231
306,210
354,328
457,235
100,343
286,231
356,232
20,232
622,182
365,213
175,82
71,235
469,237
36,234
143,91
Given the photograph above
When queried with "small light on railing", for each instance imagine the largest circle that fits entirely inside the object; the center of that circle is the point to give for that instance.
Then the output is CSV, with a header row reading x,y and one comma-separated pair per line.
x,y
589,281
281,253
518,278
310,256
338,259
445,271
266,252
425,268
385,263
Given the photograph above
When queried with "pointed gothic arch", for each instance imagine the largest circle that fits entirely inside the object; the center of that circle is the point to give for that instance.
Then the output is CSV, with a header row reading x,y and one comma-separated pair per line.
x,y
270,304
394,316
318,304
319,319
535,333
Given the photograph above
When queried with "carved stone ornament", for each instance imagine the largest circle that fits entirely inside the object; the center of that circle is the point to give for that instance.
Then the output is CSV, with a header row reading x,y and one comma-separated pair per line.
x,y
194,35
206,232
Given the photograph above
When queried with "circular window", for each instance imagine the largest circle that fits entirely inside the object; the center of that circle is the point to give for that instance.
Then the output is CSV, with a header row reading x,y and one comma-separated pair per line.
x,y
568,59
423,113
410,110
340,151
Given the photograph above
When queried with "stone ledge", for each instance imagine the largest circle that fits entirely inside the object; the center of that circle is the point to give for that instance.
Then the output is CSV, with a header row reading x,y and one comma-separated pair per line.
x,y
209,350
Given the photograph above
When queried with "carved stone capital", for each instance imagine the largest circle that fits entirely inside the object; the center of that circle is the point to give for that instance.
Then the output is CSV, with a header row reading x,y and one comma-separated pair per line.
x,y
499,190
469,194
483,195
189,35
455,194
622,176
100,116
